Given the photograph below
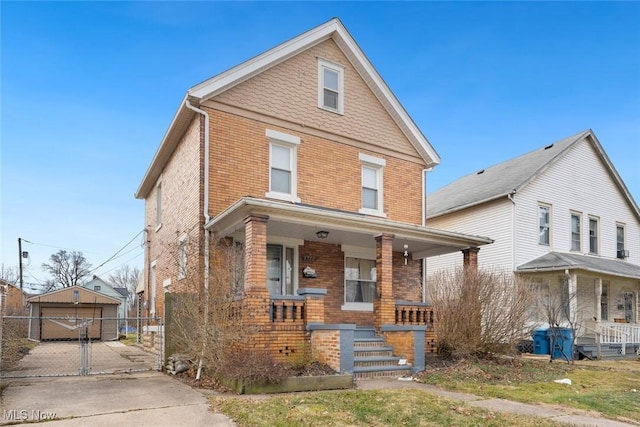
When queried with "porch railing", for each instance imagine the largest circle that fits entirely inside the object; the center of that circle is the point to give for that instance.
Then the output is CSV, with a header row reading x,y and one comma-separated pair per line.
x,y
413,313
289,309
616,333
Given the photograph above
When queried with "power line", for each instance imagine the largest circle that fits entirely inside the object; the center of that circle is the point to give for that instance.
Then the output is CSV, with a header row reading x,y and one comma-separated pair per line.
x,y
117,252
130,259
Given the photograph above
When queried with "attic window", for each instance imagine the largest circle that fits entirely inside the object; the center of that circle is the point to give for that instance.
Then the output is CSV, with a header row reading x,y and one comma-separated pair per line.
x,y
548,146
330,86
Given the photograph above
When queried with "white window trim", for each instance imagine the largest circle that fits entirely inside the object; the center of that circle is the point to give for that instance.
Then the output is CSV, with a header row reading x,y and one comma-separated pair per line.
x,y
322,64
378,164
571,215
597,220
549,225
624,234
356,252
182,251
291,142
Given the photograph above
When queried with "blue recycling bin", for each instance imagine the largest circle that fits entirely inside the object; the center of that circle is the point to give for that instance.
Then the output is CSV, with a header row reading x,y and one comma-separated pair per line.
x,y
540,341
561,342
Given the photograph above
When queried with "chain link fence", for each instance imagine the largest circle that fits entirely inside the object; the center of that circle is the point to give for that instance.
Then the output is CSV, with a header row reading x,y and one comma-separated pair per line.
x,y
66,346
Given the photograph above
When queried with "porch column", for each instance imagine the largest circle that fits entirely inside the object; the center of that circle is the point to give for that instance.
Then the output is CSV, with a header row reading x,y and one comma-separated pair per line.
x,y
598,300
256,299
573,297
470,258
383,303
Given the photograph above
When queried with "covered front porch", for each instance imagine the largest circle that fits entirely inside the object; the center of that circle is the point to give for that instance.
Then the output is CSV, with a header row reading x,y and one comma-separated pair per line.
x,y
336,281
601,297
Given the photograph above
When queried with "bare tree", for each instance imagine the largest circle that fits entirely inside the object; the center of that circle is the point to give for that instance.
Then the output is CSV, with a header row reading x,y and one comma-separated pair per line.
x,y
66,268
203,322
479,312
8,274
560,307
127,277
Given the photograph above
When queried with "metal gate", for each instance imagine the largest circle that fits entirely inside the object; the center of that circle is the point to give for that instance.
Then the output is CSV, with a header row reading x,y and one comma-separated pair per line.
x,y
68,346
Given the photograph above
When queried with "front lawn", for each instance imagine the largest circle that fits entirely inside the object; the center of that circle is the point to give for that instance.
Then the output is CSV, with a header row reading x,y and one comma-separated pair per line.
x,y
611,388
406,407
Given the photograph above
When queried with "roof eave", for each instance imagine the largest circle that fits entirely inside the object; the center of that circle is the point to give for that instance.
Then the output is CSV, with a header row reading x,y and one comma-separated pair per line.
x,y
167,145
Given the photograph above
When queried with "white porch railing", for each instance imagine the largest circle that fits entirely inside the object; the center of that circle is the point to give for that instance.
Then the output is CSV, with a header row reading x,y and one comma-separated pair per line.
x,y
618,333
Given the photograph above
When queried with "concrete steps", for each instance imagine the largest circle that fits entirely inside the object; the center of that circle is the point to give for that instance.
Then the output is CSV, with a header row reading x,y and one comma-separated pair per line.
x,y
374,359
607,351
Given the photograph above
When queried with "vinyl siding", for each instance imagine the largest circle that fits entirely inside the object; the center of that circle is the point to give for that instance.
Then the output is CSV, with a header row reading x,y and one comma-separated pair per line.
x,y
576,182
494,220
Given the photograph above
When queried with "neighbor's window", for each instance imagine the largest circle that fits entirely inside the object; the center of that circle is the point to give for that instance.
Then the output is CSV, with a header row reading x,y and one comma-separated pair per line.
x,y
593,235
619,237
544,215
97,288
330,86
575,232
282,166
359,280
372,184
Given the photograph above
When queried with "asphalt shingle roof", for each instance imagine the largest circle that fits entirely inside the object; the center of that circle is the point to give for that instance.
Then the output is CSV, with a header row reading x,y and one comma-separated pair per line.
x,y
498,180
556,261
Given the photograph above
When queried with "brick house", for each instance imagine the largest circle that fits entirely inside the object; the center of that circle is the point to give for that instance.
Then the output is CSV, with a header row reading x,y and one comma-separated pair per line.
x,y
305,157
14,301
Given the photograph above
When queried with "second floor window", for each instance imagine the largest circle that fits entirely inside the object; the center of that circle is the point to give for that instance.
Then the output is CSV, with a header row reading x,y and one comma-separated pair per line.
x,y
372,182
575,232
619,237
593,235
544,216
282,166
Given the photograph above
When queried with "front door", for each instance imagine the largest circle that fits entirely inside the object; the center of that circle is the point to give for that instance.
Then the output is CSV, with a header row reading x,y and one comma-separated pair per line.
x,y
628,307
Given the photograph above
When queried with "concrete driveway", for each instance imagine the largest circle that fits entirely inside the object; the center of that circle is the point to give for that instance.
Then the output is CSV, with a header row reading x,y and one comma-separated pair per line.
x,y
62,358
139,399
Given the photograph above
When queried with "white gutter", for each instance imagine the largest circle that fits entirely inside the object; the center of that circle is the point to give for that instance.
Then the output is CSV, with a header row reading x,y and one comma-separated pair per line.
x,y
205,211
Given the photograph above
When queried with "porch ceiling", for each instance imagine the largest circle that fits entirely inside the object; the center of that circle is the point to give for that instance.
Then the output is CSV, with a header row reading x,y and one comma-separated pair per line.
x,y
556,261
302,222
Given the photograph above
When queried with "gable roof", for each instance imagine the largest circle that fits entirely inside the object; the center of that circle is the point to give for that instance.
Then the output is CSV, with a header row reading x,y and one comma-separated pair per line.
x,y
65,295
333,29
511,176
556,261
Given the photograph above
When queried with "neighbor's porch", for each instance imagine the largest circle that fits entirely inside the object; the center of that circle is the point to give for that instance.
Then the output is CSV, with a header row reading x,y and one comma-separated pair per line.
x,y
349,287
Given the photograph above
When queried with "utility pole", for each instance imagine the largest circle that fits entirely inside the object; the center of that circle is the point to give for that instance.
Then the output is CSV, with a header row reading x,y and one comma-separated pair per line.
x,y
20,269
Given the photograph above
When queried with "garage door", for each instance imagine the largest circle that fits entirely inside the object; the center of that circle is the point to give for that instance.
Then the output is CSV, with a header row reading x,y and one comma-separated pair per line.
x,y
64,323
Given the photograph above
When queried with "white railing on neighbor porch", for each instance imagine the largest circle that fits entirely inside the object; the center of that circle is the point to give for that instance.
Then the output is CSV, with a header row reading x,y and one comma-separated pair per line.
x,y
618,333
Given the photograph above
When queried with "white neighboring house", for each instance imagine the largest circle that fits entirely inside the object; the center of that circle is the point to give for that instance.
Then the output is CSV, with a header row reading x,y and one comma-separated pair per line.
x,y
121,294
561,215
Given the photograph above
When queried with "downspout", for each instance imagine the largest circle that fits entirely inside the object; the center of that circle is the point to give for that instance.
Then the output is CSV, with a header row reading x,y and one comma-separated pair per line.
x,y
424,224
207,217
513,230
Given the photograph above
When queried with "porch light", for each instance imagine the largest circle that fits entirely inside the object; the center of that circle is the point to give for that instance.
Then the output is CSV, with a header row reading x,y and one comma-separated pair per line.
x,y
406,253
322,234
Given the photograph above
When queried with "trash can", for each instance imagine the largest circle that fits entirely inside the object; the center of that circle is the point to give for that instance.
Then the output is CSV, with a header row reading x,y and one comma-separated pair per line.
x,y
540,341
561,342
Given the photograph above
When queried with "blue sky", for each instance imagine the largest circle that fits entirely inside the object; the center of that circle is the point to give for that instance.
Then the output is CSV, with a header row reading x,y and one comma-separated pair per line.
x,y
89,88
